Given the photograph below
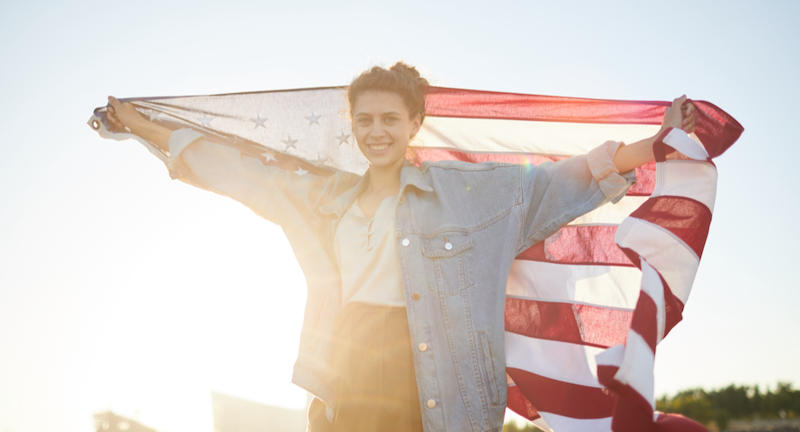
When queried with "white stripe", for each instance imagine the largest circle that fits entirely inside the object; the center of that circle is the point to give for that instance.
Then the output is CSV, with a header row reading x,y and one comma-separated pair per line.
x,y
605,286
559,423
515,136
611,357
560,361
679,140
652,286
637,367
690,179
610,214
670,256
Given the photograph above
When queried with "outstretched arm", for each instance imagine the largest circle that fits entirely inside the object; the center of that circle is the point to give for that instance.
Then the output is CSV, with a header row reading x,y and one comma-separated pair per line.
x,y
680,115
125,115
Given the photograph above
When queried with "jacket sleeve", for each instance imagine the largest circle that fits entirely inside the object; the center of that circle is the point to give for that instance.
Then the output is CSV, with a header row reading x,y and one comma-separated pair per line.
x,y
555,193
269,191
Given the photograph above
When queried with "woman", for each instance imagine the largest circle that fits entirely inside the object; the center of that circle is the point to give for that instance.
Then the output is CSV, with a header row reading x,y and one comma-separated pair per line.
x,y
406,266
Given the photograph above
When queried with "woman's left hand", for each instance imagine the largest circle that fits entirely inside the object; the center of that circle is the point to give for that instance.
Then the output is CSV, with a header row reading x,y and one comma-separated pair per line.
x,y
680,115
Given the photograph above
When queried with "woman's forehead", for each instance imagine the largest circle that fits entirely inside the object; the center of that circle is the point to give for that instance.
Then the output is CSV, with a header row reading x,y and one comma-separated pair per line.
x,y
374,102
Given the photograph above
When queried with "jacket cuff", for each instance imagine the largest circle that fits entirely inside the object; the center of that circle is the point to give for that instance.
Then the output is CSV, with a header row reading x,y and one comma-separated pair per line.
x,y
178,141
613,184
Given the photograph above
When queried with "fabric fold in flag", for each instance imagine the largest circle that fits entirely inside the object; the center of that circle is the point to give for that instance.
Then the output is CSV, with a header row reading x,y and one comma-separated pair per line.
x,y
587,307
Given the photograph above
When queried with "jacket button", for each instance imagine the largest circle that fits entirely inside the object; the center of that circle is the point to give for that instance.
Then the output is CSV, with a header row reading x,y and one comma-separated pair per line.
x,y
415,296
423,347
448,246
406,242
431,403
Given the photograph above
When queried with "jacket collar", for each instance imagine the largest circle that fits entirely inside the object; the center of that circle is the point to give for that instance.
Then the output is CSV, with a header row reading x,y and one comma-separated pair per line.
x,y
410,175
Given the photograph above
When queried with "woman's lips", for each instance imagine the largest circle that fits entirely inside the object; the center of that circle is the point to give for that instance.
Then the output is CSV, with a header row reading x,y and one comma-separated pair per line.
x,y
378,148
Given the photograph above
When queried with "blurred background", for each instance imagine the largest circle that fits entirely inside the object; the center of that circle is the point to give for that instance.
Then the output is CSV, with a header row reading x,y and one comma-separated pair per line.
x,y
123,293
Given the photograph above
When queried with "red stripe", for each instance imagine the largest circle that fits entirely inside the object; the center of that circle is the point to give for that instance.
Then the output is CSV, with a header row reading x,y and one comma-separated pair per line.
x,y
558,397
716,129
644,320
565,322
645,174
627,396
518,403
673,307
629,415
449,102
686,218
576,245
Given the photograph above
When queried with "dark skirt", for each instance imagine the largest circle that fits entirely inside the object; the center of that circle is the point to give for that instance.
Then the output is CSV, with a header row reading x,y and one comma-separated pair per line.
x,y
374,373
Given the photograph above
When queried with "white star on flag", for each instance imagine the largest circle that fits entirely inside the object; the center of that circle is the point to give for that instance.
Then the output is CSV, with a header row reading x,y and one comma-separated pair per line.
x,y
319,160
269,156
343,138
290,142
313,118
154,115
259,121
205,121
301,171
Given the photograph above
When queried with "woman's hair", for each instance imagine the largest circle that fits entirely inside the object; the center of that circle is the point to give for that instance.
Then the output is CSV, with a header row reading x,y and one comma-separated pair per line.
x,y
401,79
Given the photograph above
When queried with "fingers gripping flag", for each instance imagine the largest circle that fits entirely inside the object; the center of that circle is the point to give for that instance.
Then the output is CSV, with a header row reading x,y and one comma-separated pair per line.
x,y
586,308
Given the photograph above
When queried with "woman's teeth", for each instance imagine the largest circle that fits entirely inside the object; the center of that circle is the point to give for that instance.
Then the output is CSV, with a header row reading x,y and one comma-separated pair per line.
x,y
379,147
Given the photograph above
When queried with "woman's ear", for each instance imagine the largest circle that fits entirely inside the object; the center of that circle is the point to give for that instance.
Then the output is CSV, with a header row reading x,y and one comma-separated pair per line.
x,y
416,123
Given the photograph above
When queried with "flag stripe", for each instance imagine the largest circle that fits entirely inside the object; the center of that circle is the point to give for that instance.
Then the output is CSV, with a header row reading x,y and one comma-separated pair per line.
x,y
566,399
691,179
450,102
676,262
687,219
512,136
591,245
565,322
522,405
636,371
611,214
567,362
605,286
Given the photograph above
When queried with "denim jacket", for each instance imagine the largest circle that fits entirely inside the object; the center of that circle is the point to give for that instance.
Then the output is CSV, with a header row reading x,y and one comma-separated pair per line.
x,y
459,227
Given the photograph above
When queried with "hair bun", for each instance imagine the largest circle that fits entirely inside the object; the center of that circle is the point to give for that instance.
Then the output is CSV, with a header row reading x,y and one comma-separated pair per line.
x,y
400,78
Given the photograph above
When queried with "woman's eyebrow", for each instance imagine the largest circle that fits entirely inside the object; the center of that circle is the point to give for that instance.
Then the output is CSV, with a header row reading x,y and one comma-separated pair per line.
x,y
382,114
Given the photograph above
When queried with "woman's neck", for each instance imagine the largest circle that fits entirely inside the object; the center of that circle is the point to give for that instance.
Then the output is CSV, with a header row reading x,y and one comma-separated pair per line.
x,y
383,180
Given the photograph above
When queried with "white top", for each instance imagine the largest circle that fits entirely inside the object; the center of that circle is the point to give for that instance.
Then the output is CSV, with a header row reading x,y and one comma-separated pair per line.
x,y
367,255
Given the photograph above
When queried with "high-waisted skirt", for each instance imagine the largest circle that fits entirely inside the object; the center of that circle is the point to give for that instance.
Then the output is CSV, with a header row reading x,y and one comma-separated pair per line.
x,y
376,388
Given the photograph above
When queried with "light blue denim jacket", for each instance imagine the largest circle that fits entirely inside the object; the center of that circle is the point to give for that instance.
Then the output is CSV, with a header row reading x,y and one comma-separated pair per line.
x,y
459,228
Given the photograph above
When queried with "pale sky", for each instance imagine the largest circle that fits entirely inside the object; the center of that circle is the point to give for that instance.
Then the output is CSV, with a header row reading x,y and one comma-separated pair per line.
x,y
121,289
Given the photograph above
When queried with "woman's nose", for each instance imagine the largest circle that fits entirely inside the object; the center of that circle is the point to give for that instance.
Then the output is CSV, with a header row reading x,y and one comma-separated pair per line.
x,y
377,129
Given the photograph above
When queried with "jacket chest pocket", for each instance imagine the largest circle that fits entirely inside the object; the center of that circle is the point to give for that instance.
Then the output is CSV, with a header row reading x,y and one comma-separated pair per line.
x,y
451,255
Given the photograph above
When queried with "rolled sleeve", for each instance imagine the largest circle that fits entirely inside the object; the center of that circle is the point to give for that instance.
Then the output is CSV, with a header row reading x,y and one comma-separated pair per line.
x,y
178,141
611,183
553,194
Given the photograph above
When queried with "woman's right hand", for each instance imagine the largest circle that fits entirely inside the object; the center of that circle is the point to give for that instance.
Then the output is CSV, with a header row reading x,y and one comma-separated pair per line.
x,y
123,116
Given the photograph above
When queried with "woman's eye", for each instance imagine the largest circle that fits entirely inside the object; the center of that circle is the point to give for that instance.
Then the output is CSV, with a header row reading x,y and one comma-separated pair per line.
x,y
363,121
391,120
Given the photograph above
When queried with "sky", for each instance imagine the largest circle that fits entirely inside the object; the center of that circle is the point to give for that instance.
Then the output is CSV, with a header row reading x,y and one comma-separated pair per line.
x,y
122,289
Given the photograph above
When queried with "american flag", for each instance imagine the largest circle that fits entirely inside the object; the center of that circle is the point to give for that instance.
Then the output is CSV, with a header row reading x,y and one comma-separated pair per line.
x,y
586,308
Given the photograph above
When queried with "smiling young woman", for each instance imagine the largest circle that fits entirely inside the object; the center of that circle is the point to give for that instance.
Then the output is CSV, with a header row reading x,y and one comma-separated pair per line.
x,y
406,271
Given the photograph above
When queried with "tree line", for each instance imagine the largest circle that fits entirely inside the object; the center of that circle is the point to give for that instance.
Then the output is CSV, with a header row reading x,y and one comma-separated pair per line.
x,y
733,403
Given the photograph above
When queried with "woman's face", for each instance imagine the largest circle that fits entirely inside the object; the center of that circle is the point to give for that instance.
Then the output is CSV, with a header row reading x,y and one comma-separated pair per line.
x,y
383,128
